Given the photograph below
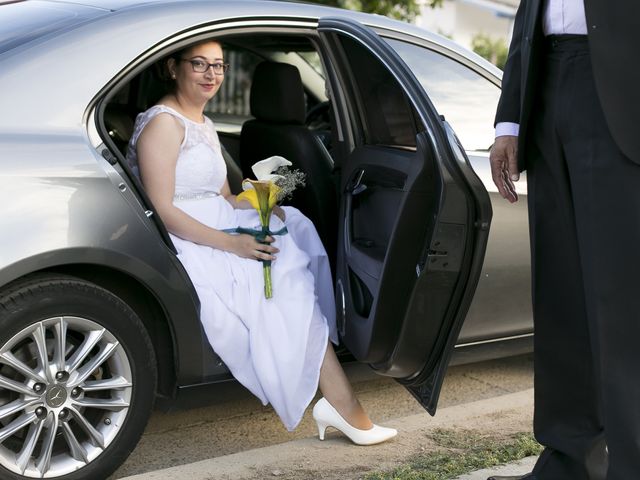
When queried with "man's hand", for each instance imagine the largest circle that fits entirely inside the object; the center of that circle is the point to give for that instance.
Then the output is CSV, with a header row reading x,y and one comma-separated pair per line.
x,y
504,166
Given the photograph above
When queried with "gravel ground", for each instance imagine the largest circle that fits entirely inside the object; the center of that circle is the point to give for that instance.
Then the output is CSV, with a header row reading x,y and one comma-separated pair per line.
x,y
338,459
243,424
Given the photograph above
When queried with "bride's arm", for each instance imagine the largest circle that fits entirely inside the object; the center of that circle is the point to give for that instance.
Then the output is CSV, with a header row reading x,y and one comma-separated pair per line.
x,y
231,198
158,148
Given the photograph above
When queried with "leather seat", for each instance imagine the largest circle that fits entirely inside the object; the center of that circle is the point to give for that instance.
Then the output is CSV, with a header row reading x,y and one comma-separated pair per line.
x,y
119,121
277,102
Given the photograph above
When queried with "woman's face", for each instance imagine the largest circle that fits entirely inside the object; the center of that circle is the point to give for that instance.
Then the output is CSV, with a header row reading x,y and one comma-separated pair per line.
x,y
199,87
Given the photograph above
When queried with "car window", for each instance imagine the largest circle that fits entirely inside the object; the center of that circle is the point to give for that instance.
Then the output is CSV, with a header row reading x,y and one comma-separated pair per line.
x,y
230,107
466,99
386,114
313,60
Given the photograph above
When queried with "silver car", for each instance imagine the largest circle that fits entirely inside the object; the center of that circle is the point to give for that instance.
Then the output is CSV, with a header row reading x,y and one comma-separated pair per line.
x,y
98,319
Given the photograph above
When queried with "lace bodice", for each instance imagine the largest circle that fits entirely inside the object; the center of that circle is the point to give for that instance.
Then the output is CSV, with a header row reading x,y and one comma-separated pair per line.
x,y
200,167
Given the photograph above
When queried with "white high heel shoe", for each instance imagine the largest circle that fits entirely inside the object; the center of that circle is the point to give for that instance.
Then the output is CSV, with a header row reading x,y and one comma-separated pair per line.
x,y
326,416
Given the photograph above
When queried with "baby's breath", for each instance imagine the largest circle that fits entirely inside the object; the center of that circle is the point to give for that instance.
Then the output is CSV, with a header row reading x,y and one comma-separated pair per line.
x,y
291,179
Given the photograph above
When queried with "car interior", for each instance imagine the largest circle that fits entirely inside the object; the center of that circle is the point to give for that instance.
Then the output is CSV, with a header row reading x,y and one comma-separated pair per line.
x,y
263,108
274,101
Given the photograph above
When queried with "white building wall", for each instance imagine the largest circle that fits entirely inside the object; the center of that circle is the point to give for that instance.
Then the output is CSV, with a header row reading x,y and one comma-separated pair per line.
x,y
461,20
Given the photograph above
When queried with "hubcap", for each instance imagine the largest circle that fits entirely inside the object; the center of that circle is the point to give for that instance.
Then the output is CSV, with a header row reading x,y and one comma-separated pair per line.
x,y
65,390
56,396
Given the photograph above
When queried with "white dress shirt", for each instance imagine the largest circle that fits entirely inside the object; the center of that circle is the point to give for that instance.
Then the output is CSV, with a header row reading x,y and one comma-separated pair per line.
x,y
559,17
564,16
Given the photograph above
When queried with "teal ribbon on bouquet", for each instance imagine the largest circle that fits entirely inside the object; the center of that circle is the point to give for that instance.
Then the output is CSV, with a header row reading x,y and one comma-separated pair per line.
x,y
260,235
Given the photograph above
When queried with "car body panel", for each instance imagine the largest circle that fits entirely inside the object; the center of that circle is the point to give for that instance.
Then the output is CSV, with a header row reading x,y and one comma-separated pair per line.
x,y
49,145
501,306
70,212
119,38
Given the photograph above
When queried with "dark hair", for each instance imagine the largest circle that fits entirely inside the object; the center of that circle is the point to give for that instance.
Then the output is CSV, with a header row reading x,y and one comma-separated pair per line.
x,y
161,69
162,66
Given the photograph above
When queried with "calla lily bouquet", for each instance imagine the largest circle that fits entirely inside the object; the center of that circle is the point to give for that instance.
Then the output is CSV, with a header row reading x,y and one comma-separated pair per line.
x,y
276,169
263,194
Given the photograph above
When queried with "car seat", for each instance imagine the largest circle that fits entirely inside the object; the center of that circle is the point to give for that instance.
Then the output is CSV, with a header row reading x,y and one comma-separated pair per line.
x,y
277,101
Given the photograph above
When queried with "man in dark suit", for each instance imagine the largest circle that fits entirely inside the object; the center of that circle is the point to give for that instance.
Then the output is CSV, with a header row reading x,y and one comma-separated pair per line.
x,y
568,115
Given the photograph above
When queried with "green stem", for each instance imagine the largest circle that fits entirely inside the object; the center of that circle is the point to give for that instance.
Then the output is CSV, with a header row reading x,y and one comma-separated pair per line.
x,y
268,288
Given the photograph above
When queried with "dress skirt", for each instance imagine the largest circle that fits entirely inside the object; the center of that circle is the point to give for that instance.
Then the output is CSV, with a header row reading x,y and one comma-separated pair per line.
x,y
274,347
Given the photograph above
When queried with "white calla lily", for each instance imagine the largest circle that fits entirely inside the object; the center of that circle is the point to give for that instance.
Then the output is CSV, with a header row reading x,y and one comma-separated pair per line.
x,y
263,170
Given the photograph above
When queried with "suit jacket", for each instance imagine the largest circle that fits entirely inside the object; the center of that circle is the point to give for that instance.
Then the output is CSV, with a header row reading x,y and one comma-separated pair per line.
x,y
614,43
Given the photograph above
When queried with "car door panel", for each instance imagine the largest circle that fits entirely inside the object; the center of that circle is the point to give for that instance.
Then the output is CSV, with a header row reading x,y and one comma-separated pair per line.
x,y
375,193
415,216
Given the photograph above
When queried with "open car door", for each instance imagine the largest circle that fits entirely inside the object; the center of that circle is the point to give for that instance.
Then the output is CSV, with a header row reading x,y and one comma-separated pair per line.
x,y
414,216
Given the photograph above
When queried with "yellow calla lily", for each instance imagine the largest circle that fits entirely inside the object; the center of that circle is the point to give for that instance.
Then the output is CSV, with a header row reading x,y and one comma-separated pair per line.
x,y
250,196
262,195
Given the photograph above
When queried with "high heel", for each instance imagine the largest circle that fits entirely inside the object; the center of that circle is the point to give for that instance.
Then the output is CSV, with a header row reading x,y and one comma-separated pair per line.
x,y
326,416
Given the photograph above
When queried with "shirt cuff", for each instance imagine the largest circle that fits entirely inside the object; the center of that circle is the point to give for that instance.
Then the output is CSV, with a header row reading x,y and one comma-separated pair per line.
x,y
507,128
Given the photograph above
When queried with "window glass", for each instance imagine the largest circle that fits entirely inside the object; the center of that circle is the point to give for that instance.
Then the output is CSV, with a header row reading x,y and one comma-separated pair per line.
x,y
313,60
466,99
230,107
387,116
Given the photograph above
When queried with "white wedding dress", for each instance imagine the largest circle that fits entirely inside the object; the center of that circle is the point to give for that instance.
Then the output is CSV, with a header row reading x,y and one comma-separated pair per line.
x,y
274,347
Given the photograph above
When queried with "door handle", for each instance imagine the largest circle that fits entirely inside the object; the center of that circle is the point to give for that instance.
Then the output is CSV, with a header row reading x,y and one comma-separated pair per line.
x,y
356,186
358,190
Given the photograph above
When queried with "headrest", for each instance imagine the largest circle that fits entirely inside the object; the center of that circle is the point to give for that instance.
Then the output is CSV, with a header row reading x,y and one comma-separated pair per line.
x,y
277,94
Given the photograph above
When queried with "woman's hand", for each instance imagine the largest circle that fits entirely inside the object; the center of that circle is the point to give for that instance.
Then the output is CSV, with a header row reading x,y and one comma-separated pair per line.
x,y
279,212
246,246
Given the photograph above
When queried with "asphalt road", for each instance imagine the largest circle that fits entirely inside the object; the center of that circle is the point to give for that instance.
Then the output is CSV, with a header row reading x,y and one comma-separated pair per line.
x,y
243,423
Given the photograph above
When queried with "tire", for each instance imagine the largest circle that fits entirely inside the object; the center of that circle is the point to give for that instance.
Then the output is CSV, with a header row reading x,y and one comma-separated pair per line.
x,y
82,418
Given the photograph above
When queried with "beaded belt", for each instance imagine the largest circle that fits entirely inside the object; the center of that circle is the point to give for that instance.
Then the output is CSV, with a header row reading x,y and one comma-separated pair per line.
x,y
195,195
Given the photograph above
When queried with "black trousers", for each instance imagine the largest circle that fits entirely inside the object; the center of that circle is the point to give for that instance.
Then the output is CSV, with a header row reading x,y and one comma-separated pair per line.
x,y
584,207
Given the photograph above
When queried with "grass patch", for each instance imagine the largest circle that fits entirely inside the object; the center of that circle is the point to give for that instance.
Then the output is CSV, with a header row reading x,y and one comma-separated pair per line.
x,y
459,452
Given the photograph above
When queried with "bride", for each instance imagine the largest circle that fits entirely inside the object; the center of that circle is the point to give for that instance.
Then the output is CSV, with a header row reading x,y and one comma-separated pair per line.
x,y
278,348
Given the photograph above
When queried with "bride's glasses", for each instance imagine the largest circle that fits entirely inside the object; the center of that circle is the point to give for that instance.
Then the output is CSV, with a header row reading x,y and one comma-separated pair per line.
x,y
200,66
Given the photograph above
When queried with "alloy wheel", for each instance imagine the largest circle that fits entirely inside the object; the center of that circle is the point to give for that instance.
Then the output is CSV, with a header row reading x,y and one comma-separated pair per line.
x,y
65,391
